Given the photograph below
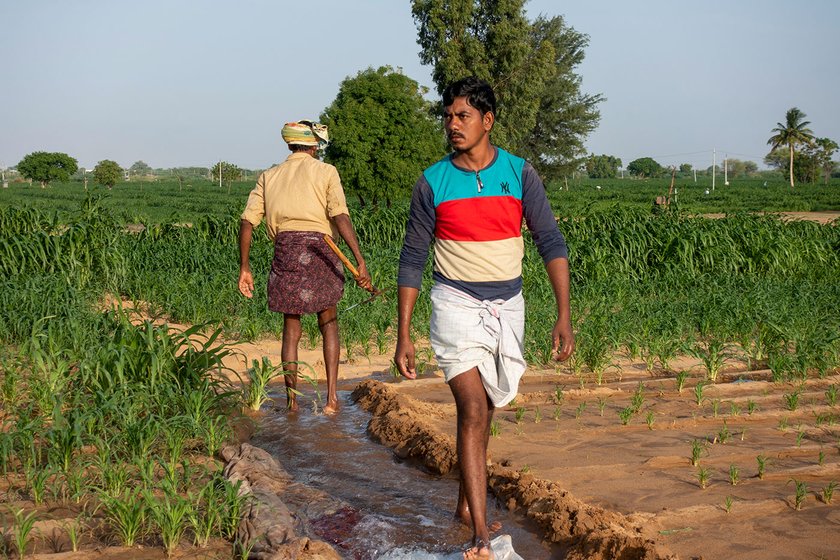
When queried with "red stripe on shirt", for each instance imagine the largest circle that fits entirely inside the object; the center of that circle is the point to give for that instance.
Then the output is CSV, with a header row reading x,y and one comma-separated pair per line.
x,y
479,219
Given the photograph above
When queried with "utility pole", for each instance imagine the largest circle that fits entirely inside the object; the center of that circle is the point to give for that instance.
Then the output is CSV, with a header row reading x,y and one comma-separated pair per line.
x,y
714,164
726,169
695,174
3,172
220,174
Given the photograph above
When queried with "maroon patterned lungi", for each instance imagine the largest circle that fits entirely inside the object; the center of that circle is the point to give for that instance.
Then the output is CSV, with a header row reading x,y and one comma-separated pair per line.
x,y
306,276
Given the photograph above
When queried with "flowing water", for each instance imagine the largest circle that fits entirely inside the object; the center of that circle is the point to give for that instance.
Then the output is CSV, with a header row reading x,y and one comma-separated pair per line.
x,y
389,509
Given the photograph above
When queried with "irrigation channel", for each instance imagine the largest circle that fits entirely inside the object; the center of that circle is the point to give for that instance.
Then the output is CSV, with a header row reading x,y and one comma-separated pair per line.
x,y
392,510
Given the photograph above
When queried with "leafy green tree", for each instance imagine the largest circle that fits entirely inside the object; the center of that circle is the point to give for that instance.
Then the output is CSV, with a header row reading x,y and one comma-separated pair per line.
x,y
45,167
794,131
603,166
543,116
685,168
229,172
822,154
644,167
140,168
382,134
107,173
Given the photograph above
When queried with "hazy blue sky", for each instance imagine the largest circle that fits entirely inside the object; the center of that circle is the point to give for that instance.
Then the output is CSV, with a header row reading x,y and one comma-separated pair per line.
x,y
177,83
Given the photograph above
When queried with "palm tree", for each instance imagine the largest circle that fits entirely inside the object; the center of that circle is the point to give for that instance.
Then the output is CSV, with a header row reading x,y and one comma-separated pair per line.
x,y
794,131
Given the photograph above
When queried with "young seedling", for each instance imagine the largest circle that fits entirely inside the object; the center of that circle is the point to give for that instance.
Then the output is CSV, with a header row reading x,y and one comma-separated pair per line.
x,y
762,465
638,398
537,415
703,477
697,449
828,491
821,458
126,514
579,410
558,413
559,396
800,435
602,404
792,400
495,428
715,407
724,434
680,380
734,409
733,475
22,529
625,414
783,423
649,419
698,392
831,395
727,504
519,414
170,514
801,493
751,406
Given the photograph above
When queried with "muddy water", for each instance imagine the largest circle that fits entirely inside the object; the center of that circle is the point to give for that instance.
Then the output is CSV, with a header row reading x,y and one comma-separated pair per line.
x,y
386,505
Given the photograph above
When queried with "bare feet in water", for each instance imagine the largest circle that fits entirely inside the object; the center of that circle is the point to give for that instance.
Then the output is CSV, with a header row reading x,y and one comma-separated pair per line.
x,y
292,405
331,408
481,550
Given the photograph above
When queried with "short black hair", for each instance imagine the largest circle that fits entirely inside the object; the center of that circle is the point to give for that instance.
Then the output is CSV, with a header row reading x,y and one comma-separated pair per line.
x,y
479,94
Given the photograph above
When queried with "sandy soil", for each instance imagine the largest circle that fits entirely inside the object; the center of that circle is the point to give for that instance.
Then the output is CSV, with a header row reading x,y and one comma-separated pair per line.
x,y
610,490
821,217
605,489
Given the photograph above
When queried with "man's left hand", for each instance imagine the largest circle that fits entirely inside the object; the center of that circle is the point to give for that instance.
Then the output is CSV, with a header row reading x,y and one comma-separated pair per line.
x,y
563,340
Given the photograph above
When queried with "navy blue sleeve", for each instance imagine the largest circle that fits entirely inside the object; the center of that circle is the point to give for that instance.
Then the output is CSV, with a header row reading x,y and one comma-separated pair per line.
x,y
419,235
540,218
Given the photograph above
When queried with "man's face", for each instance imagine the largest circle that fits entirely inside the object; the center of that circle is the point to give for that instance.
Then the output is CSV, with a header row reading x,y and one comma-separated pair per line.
x,y
465,126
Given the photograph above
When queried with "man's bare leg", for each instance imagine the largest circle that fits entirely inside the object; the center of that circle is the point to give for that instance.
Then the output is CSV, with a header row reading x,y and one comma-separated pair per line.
x,y
462,510
473,411
328,323
289,355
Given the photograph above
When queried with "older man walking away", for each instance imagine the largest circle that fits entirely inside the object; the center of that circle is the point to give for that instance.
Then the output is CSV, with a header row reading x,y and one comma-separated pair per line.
x,y
302,200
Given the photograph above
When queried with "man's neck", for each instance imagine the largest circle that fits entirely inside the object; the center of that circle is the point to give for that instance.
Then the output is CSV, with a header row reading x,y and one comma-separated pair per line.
x,y
476,158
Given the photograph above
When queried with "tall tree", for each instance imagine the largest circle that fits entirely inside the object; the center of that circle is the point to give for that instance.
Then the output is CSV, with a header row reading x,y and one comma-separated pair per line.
x,y
792,132
644,167
382,134
543,115
139,168
228,171
603,166
45,167
108,173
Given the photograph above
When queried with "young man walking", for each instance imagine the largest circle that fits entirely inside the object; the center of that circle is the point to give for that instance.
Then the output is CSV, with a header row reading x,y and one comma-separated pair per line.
x,y
471,205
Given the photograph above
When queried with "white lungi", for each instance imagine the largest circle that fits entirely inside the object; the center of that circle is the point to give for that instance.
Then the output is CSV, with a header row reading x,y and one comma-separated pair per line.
x,y
467,332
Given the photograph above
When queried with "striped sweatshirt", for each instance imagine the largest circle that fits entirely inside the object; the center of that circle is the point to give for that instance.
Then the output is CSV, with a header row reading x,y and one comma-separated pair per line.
x,y
474,219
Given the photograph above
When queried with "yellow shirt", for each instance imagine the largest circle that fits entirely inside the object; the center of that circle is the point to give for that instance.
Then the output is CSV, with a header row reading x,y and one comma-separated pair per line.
x,y
300,194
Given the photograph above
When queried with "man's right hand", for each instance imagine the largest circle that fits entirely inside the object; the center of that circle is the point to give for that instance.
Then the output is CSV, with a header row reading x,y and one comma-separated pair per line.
x,y
404,358
246,283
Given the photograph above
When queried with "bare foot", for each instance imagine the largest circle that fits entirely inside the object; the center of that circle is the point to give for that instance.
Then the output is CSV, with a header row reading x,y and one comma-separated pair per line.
x,y
331,408
480,551
292,405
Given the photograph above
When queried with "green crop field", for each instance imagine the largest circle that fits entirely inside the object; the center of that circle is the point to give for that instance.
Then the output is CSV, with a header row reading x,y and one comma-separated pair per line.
x,y
651,286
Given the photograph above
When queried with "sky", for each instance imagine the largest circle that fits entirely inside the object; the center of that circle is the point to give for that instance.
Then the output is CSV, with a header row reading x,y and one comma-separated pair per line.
x,y
189,82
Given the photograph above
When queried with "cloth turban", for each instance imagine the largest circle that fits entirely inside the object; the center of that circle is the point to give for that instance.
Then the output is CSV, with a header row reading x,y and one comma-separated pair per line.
x,y
305,133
